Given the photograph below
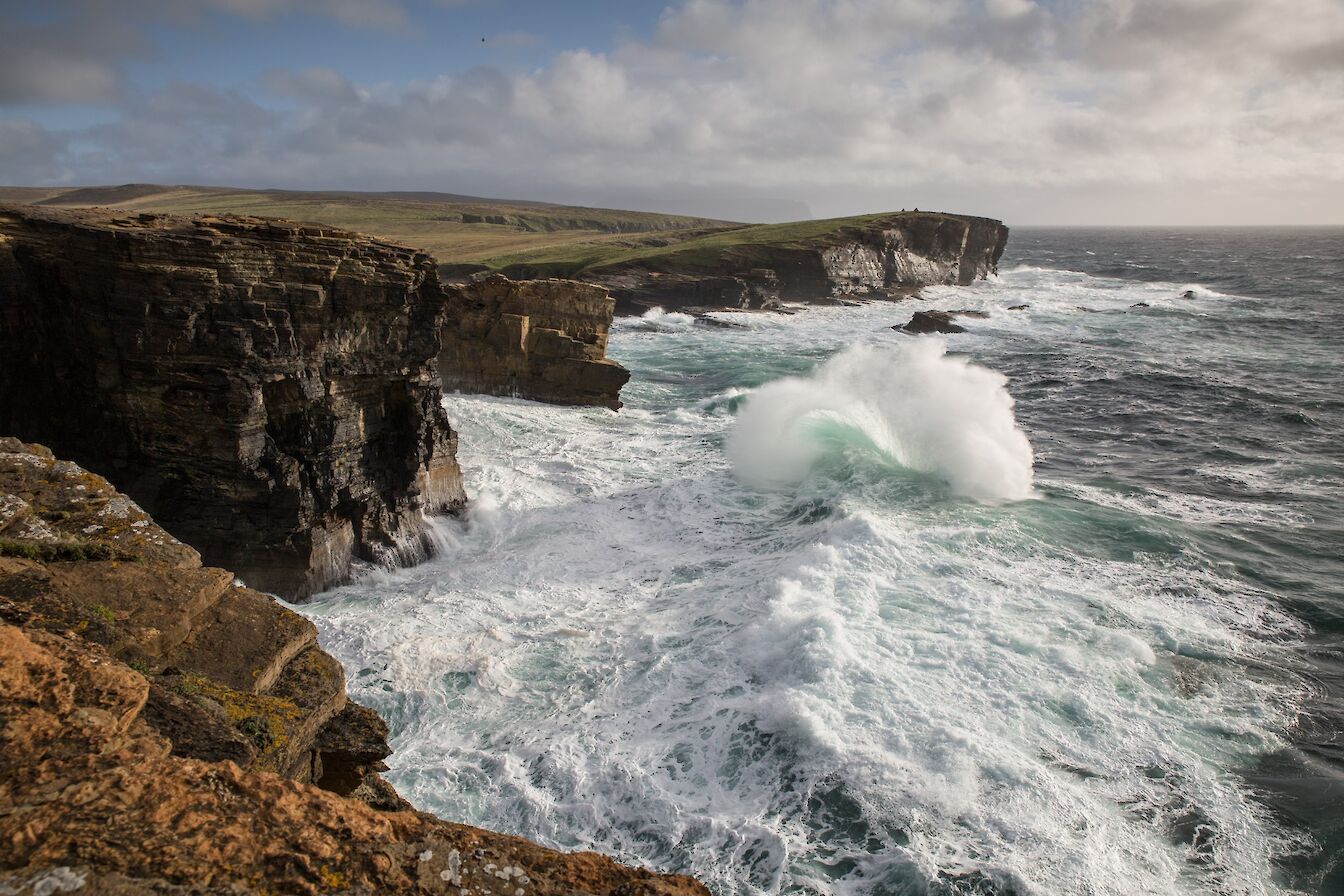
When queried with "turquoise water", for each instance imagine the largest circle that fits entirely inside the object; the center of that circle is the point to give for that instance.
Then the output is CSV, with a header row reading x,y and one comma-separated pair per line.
x,y
1047,607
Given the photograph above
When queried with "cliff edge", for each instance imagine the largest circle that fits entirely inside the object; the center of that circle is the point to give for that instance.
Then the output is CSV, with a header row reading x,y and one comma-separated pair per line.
x,y
539,339
165,730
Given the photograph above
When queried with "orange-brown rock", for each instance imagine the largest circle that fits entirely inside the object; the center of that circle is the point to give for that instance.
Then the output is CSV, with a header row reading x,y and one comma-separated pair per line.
x,y
233,674
92,800
164,730
540,339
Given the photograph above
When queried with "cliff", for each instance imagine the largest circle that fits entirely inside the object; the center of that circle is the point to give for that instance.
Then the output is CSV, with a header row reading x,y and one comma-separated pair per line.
x,y
540,339
165,730
270,391
760,266
264,388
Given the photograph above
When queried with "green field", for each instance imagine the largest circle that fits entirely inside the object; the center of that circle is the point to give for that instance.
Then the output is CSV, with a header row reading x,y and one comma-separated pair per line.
x,y
688,250
522,238
455,229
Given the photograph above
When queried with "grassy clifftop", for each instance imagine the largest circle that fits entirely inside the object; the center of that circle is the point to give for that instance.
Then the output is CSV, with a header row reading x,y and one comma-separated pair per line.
x,y
690,249
462,229
520,238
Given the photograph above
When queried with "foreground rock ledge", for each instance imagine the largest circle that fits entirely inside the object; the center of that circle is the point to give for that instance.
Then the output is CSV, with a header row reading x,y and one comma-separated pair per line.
x,y
161,727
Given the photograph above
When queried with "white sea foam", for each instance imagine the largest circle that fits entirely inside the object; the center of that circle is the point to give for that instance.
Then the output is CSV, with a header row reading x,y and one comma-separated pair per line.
x,y
852,686
912,405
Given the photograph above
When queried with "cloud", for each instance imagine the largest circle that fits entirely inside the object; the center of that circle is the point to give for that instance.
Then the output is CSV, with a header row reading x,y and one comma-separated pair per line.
x,y
54,62
999,106
315,85
356,13
31,153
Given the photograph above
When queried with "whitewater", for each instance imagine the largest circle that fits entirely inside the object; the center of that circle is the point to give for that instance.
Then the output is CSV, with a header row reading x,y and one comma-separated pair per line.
x,y
828,608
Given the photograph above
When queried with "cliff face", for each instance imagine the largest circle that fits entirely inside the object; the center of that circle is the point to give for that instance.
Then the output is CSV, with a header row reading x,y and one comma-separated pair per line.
x,y
888,255
164,730
265,389
539,339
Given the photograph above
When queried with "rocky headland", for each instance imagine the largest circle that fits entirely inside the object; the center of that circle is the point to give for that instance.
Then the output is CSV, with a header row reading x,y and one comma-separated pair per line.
x,y
165,730
762,266
271,394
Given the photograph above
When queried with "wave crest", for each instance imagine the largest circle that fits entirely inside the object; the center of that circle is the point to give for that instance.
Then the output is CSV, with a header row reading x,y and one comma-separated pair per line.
x,y
913,406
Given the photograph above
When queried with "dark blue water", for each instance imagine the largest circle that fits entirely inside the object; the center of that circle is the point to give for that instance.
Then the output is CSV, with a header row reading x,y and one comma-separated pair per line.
x,y
1239,398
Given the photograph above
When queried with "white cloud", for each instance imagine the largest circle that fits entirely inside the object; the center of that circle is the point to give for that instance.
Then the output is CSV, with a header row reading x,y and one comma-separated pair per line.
x,y
1026,110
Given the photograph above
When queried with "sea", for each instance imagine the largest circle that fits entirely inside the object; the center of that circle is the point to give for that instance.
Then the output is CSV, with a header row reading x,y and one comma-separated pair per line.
x,y
1051,606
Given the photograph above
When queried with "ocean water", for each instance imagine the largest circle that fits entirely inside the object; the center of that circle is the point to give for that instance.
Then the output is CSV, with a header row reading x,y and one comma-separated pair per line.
x,y
1054,606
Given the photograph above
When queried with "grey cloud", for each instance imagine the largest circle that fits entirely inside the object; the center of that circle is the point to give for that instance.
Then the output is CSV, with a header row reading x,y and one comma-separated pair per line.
x,y
31,153
848,106
64,63
318,85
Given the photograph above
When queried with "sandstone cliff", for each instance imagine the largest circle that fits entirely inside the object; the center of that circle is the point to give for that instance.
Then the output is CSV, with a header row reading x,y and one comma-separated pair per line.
x,y
162,730
540,339
264,388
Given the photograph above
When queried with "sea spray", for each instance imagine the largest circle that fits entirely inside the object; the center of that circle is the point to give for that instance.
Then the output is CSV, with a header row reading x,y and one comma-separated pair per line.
x,y
911,406
836,689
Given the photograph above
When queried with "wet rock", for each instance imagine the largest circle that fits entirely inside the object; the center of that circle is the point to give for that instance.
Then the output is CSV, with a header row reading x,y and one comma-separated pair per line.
x,y
1023,307
1140,305
931,322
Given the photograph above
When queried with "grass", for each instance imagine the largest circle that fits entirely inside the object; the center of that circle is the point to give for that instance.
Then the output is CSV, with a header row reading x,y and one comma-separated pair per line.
x,y
687,250
520,238
452,228
62,550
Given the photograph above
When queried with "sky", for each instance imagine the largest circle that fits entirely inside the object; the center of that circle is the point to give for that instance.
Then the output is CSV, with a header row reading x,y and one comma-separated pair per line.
x,y
1158,112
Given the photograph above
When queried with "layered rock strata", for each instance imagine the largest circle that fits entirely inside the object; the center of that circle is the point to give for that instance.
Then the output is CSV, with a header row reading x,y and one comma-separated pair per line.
x,y
265,389
164,730
891,255
231,673
539,339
